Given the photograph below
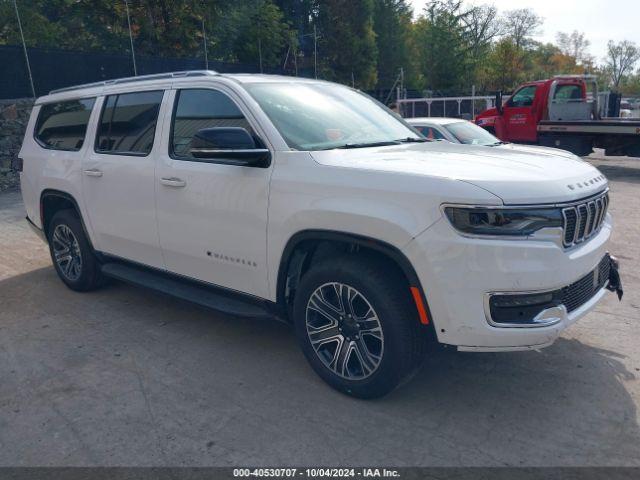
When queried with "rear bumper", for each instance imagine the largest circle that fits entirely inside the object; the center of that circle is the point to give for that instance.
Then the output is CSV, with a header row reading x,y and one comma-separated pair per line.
x,y
38,231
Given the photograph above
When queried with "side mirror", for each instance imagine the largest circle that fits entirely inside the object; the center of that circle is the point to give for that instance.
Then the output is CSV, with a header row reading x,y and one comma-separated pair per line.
x,y
499,102
229,145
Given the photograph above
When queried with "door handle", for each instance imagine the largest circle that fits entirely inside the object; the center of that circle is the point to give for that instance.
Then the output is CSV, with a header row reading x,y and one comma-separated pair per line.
x,y
173,182
94,172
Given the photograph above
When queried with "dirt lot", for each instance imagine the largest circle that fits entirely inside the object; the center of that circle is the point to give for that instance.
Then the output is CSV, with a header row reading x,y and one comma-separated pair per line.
x,y
126,377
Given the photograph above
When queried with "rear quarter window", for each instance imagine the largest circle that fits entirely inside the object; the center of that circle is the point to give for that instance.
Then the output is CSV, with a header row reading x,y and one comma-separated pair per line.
x,y
63,125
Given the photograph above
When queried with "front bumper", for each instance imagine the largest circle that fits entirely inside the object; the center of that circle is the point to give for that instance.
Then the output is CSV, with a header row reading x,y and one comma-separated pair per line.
x,y
458,274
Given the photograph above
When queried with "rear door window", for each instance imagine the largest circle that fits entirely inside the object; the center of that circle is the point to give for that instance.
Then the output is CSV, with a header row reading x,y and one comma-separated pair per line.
x,y
63,125
128,123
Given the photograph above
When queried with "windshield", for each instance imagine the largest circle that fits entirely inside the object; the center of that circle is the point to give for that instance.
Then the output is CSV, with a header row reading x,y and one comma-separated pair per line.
x,y
322,116
471,134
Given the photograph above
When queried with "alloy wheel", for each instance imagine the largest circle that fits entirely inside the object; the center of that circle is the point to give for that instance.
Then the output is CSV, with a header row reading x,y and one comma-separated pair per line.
x,y
66,252
344,331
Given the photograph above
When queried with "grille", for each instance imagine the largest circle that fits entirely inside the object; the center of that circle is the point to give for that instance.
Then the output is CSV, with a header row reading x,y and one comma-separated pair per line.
x,y
583,220
579,292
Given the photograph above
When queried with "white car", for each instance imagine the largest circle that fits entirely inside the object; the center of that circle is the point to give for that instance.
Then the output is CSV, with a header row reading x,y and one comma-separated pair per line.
x,y
456,130
306,200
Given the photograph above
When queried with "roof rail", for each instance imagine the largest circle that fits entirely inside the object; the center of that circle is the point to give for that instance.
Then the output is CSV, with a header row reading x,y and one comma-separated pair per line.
x,y
576,75
155,76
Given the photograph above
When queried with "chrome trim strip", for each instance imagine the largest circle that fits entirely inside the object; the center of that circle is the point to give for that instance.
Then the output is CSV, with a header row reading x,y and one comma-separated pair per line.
x,y
240,150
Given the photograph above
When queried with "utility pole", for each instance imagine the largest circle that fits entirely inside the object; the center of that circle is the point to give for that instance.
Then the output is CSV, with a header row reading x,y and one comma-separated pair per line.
x,y
473,102
133,54
204,42
24,47
315,51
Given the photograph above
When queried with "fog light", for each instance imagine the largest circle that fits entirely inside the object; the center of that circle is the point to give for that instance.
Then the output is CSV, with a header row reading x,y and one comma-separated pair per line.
x,y
521,300
520,309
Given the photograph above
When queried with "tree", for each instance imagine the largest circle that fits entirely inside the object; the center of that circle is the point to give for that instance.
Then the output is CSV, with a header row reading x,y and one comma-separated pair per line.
x,y
347,42
505,65
391,21
482,27
621,58
441,44
521,24
630,85
575,45
55,23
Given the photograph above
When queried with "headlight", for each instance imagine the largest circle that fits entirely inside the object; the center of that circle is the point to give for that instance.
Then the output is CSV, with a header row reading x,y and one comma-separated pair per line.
x,y
504,222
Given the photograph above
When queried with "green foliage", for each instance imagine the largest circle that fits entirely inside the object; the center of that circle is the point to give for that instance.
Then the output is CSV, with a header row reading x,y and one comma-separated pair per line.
x,y
392,25
449,47
440,40
347,42
250,31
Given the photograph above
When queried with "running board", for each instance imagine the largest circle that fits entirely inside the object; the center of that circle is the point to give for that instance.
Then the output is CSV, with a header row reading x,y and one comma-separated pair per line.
x,y
185,290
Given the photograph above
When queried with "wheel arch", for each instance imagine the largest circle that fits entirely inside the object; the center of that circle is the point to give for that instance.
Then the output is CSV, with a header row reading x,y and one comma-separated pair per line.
x,y
300,249
52,201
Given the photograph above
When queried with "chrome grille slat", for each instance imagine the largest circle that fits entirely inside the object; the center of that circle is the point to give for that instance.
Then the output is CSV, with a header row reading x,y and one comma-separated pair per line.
x,y
598,212
591,208
584,219
582,222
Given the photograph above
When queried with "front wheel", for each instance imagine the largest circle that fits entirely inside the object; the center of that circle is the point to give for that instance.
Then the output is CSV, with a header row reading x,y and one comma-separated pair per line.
x,y
357,326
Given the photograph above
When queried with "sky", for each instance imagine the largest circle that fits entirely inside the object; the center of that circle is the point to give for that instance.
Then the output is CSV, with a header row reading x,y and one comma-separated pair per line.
x,y
601,20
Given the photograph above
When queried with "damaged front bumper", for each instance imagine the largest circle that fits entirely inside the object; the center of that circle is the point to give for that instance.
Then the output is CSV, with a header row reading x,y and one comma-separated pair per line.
x,y
546,308
615,282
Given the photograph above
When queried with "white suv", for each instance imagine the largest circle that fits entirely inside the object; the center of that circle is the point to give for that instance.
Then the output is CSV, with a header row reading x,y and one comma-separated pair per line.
x,y
308,201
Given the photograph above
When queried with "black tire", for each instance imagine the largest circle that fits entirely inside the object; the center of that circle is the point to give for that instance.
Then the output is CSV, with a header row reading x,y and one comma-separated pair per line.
x,y
387,293
87,276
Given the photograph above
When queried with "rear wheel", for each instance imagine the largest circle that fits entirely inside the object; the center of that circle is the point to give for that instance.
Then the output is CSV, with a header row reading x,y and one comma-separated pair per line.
x,y
71,254
357,326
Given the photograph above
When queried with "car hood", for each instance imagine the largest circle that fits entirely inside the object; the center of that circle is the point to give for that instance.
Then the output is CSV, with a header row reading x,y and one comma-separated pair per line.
x,y
538,150
515,175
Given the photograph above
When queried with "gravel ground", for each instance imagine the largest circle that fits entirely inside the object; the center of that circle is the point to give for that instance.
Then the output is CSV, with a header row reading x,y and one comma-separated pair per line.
x,y
123,376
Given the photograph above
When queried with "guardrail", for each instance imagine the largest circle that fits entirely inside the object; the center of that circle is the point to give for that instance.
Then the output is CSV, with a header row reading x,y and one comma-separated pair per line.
x,y
422,107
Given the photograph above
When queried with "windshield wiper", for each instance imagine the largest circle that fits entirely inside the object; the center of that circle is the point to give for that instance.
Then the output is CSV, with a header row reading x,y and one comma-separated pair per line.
x,y
412,140
497,143
369,144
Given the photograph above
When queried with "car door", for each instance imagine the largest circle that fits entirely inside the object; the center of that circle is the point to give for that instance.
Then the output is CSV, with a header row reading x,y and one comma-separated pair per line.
x,y
118,178
212,216
519,120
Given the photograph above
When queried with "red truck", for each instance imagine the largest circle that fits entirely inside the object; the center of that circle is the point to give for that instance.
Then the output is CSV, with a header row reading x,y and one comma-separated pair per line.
x,y
561,112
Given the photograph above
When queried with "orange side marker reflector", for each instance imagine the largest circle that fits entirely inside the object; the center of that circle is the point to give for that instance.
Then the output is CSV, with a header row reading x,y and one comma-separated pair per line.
x,y
422,312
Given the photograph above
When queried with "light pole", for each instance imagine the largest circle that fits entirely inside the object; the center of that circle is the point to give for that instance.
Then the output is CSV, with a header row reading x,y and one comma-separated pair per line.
x,y
133,54
204,42
315,49
24,47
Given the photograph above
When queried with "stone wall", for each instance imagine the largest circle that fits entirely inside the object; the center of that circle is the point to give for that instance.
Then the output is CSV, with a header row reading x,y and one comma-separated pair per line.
x,y
14,115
